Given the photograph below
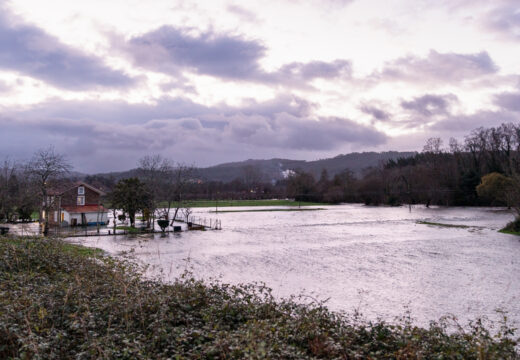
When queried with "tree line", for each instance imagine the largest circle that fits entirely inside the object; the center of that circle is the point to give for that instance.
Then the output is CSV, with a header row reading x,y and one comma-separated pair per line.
x,y
27,188
483,169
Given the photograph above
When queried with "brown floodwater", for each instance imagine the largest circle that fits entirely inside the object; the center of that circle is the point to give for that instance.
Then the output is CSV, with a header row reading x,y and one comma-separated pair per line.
x,y
378,260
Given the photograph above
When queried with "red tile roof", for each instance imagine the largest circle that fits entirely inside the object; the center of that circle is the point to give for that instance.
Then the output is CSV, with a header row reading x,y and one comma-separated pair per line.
x,y
84,209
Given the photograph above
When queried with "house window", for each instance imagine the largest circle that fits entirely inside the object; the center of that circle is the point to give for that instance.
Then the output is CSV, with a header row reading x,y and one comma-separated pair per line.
x,y
81,190
81,200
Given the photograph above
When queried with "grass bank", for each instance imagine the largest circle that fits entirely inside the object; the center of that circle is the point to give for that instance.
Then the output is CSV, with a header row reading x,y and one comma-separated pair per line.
x,y
266,210
57,301
229,203
446,225
509,232
512,228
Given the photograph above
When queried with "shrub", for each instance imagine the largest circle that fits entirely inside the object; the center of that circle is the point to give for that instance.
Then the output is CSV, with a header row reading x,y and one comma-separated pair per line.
x,y
59,302
163,224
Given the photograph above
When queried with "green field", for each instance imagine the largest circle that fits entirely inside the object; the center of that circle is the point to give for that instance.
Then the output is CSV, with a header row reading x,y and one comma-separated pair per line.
x,y
445,225
510,232
229,203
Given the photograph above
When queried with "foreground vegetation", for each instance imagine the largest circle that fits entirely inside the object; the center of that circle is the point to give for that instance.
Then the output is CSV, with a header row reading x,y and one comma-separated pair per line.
x,y
512,228
59,301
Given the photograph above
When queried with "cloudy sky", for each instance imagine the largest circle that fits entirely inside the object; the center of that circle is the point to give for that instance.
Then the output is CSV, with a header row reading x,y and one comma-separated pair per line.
x,y
207,82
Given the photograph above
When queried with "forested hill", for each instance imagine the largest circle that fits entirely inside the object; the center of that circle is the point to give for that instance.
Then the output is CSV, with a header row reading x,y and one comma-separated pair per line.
x,y
276,169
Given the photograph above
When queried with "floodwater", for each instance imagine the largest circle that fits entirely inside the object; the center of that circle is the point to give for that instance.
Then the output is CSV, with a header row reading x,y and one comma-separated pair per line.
x,y
378,260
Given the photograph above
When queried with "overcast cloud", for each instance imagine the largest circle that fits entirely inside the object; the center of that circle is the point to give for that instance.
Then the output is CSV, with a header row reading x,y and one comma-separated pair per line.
x,y
29,50
107,82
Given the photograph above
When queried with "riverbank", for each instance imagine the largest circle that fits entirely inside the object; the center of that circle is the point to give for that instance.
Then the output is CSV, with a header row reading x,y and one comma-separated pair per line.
x,y
231,203
60,300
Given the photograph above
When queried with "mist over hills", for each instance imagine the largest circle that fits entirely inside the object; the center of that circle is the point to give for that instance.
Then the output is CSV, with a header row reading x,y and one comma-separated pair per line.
x,y
277,169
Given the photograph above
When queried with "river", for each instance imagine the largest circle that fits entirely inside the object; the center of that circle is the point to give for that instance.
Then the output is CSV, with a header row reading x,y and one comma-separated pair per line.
x,y
378,260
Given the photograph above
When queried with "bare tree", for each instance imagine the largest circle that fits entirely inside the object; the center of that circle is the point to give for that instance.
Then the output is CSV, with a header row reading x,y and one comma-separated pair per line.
x,y
433,145
46,168
178,181
187,211
154,171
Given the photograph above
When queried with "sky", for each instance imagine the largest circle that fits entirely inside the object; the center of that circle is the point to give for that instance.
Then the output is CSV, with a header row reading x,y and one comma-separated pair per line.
x,y
206,82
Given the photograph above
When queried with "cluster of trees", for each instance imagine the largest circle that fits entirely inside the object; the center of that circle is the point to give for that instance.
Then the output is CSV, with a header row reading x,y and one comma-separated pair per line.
x,y
489,157
482,170
250,185
25,186
17,192
156,191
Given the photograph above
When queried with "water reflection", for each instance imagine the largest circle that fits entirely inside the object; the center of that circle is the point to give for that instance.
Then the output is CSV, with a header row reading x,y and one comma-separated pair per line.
x,y
378,259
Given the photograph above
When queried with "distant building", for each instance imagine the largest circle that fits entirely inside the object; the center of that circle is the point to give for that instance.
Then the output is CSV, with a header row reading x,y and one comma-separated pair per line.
x,y
79,204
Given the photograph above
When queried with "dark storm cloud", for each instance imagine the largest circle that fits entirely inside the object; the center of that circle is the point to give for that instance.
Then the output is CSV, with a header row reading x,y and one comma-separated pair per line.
x,y
286,131
116,112
375,111
171,50
176,126
30,50
438,67
509,101
430,105
298,71
465,123
285,103
121,112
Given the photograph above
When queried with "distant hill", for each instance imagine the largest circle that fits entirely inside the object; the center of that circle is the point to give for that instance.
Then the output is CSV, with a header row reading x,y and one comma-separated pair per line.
x,y
277,169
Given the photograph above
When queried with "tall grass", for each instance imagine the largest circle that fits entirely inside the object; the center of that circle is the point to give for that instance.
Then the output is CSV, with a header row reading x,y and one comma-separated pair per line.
x,y
58,301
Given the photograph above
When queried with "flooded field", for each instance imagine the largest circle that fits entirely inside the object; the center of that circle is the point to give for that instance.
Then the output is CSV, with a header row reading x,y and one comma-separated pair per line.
x,y
379,260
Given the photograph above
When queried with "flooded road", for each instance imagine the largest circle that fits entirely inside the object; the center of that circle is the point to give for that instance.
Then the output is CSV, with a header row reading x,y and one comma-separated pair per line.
x,y
379,260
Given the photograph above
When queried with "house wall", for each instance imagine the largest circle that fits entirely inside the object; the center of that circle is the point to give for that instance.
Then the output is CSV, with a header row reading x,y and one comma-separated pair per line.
x,y
53,220
70,197
91,218
66,217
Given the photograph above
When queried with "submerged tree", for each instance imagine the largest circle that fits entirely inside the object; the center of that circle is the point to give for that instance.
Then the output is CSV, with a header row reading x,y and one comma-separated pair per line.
x,y
175,188
130,196
499,190
302,187
155,172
